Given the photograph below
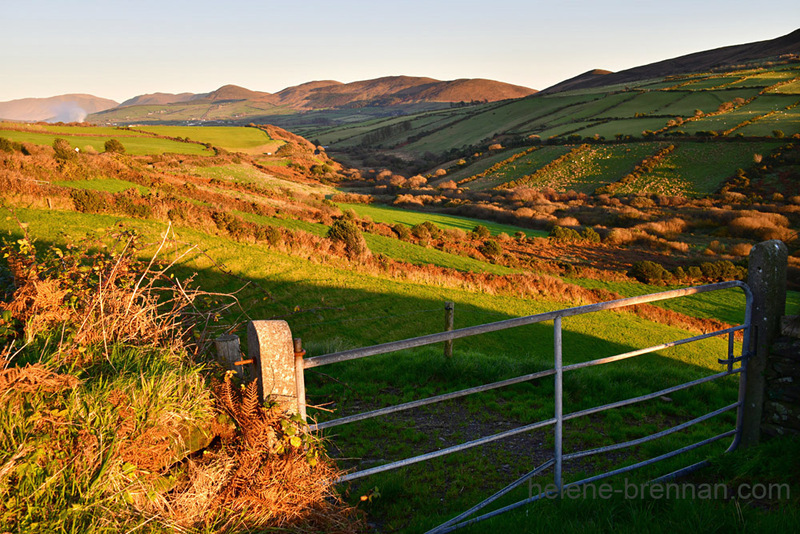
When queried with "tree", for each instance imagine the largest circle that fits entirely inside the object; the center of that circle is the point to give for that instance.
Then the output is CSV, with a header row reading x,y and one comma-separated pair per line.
x,y
114,146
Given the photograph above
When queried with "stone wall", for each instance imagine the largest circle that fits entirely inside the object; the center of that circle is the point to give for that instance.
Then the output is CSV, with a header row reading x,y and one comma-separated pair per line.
x,y
781,414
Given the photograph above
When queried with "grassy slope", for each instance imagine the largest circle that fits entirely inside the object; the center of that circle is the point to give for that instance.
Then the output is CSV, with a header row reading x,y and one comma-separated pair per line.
x,y
390,215
136,145
234,139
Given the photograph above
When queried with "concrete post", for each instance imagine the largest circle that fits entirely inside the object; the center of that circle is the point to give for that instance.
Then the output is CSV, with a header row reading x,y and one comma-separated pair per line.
x,y
271,346
767,280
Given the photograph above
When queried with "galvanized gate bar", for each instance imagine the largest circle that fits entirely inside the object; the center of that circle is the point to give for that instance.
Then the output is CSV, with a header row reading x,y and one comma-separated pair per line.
x,y
648,396
432,400
521,480
559,402
654,348
451,527
558,371
517,321
651,437
443,452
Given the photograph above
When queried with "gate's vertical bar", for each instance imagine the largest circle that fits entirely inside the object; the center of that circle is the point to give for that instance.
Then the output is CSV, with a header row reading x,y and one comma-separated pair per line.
x,y
730,352
559,415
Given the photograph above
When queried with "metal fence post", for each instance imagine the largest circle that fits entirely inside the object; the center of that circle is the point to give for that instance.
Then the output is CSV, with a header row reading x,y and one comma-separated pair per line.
x,y
767,280
449,322
559,412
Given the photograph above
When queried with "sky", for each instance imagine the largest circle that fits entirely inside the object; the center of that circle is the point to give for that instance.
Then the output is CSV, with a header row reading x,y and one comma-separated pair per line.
x,y
119,49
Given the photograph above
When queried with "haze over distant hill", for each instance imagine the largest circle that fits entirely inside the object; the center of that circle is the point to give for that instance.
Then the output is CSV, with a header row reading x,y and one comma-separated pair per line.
x,y
66,108
718,58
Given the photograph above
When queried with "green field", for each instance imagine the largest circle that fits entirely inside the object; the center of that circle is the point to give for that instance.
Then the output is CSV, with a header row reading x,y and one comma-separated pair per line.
x,y
520,167
392,248
135,145
334,307
633,127
388,215
696,168
648,103
109,185
231,138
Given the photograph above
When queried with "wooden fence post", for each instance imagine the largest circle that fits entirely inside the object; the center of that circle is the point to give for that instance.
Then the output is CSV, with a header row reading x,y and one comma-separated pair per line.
x,y
767,280
228,353
449,322
299,376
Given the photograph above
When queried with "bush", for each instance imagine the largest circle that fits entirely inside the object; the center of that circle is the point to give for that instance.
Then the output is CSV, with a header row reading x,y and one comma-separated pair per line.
x,y
481,232
649,272
87,201
490,248
590,235
6,145
114,146
347,232
402,231
63,150
564,235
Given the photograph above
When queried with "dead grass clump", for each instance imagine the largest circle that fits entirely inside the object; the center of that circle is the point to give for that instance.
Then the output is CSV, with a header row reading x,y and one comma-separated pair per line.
x,y
667,228
740,249
93,297
760,225
277,474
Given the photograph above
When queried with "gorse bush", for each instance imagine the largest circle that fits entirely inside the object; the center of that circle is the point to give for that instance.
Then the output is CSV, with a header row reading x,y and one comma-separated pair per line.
x,y
346,232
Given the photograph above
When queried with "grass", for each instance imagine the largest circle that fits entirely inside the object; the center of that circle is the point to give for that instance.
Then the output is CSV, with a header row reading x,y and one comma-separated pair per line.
x,y
246,174
588,169
231,138
694,169
389,215
393,248
135,145
110,185
334,307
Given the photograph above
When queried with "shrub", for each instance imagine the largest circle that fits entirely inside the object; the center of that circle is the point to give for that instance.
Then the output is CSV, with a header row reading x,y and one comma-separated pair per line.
x,y
649,272
590,235
347,232
63,150
6,145
490,248
114,146
402,231
564,235
87,201
481,232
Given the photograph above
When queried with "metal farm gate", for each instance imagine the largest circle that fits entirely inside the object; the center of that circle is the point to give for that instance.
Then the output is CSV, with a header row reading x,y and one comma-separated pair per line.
x,y
731,365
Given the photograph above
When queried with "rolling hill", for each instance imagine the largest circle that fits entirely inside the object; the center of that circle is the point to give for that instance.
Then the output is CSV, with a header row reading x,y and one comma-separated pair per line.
x,y
725,57
65,108
234,104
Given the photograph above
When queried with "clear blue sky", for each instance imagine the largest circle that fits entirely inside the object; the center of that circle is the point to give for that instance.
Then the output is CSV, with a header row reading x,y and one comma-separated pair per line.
x,y
119,48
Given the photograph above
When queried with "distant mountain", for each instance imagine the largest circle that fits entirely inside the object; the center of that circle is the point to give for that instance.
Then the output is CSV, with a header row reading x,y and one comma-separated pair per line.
x,y
234,103
718,58
65,108
157,99
232,93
